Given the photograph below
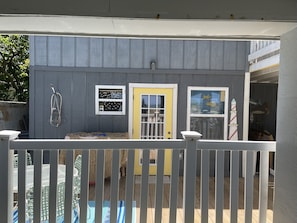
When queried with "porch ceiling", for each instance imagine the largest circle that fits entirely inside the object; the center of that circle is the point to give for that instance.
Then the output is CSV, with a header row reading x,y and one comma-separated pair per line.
x,y
267,75
143,28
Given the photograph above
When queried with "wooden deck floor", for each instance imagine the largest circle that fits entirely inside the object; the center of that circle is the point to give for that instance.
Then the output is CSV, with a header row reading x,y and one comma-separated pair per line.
x,y
165,211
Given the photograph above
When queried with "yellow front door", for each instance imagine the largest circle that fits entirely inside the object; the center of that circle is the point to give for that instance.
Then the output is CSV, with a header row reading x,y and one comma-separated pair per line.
x,y
152,119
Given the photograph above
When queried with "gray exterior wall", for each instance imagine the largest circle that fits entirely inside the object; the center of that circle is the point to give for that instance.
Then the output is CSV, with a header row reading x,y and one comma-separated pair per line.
x,y
75,65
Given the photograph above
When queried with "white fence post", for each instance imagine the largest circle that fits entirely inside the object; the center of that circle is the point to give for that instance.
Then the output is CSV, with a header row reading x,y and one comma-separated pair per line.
x,y
190,160
6,167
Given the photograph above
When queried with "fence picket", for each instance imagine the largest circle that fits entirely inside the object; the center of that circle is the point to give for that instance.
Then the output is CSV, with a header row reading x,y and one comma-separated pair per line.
x,y
219,187
159,187
53,190
204,188
174,185
114,192
84,191
68,215
99,187
234,186
249,185
144,185
130,188
263,187
38,159
22,162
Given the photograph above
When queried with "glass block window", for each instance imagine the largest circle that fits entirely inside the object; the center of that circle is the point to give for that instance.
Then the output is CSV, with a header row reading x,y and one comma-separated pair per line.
x,y
208,111
110,100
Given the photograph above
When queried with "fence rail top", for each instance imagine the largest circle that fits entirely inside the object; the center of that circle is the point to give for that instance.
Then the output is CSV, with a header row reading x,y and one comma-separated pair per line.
x,y
54,144
101,144
239,145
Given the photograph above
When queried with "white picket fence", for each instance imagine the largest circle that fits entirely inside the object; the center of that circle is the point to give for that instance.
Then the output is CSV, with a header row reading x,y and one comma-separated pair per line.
x,y
188,146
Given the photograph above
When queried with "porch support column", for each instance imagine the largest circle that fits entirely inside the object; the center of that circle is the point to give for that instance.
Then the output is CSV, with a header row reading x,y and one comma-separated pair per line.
x,y
285,202
190,161
6,168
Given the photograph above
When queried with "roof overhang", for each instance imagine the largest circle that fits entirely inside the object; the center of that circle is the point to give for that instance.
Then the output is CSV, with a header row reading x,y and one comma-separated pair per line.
x,y
143,28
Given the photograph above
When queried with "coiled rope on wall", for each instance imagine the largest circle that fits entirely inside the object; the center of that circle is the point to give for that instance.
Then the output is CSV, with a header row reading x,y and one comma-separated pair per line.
x,y
56,108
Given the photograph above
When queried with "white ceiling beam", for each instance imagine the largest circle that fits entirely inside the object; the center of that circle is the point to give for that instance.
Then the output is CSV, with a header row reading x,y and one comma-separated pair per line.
x,y
143,28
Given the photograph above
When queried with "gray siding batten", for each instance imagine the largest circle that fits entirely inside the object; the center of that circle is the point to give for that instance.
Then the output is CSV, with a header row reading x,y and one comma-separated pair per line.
x,y
217,55
82,52
172,78
79,101
163,54
150,52
160,78
133,78
203,54
119,79
119,123
185,81
123,53
201,79
91,119
106,78
96,52
65,88
32,50
68,52
109,53
105,123
230,52
242,55
54,51
177,54
136,55
41,50
190,56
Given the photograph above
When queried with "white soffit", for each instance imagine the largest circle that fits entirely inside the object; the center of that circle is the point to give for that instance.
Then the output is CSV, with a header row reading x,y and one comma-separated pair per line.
x,y
144,28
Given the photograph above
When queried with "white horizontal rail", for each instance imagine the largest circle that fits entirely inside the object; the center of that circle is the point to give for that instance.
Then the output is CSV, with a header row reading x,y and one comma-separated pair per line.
x,y
265,63
236,145
259,44
264,51
53,144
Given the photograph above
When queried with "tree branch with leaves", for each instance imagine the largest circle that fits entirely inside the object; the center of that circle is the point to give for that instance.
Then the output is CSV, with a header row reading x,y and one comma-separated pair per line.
x,y
14,68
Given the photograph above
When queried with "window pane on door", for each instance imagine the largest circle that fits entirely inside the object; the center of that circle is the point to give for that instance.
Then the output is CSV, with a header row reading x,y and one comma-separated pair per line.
x,y
152,116
152,120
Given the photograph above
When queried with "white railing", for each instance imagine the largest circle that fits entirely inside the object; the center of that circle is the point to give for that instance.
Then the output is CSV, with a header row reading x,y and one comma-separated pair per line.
x,y
264,54
257,45
189,146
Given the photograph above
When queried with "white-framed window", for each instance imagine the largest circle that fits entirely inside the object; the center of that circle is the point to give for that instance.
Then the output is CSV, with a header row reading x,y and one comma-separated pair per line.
x,y
207,111
110,99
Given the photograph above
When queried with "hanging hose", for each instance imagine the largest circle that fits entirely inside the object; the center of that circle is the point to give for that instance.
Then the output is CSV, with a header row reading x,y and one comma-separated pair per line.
x,y
56,108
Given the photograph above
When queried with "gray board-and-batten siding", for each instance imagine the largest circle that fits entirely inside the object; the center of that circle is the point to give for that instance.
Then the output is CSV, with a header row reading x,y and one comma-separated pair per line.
x,y
74,65
138,53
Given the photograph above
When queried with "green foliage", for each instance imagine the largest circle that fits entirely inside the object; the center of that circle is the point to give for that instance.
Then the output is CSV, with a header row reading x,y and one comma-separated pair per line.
x,y
14,68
